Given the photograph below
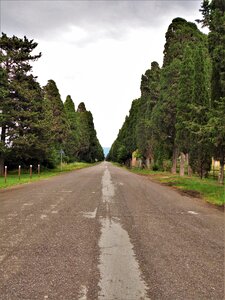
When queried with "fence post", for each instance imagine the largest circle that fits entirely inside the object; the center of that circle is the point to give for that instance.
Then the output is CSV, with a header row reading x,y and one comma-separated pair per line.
x,y
19,172
30,171
5,174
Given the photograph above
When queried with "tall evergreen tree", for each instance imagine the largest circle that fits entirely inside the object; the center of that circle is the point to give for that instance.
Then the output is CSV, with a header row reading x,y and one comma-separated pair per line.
x,y
4,116
57,118
200,150
180,34
72,141
164,115
184,100
150,91
214,17
89,148
22,131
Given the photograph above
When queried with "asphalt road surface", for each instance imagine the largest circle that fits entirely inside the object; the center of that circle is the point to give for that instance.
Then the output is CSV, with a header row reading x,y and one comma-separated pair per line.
x,y
105,233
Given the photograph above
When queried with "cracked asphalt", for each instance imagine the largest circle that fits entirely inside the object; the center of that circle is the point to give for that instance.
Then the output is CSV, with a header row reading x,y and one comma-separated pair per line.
x,y
105,233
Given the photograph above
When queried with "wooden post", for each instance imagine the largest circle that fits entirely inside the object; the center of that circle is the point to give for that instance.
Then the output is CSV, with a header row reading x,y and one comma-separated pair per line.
x,y
39,169
5,174
30,171
19,172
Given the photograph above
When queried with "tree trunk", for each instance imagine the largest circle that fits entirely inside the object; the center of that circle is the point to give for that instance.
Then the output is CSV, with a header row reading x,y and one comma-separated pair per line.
x,y
221,174
139,163
147,162
152,163
182,163
1,166
2,160
189,169
174,162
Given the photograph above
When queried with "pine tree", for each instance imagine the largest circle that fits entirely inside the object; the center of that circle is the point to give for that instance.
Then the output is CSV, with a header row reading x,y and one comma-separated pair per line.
x,y
22,104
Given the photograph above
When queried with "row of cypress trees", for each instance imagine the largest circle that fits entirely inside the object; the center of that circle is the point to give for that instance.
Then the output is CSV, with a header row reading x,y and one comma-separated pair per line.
x,y
182,106
35,125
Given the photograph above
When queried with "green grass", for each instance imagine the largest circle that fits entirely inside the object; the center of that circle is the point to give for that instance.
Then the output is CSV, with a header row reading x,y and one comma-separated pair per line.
x,y
13,179
207,188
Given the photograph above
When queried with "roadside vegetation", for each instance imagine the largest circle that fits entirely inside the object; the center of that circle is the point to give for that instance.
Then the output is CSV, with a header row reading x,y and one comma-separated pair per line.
x,y
36,125
208,188
13,177
178,121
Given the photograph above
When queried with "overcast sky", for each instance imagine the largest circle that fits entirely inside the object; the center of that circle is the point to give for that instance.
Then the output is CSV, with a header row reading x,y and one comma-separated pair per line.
x,y
96,51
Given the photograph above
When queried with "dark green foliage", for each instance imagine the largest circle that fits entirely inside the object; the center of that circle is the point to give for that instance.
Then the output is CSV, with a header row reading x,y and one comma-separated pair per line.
x,y
23,134
175,106
81,107
184,100
214,18
72,140
59,125
126,139
179,33
136,131
150,90
200,147
89,148
164,114
35,126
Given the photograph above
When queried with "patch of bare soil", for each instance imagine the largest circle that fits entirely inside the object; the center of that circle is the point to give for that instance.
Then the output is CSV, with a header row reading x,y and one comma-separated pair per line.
x,y
191,193
171,183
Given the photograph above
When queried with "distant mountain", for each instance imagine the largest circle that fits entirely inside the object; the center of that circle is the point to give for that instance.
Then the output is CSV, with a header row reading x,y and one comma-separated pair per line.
x,y
106,150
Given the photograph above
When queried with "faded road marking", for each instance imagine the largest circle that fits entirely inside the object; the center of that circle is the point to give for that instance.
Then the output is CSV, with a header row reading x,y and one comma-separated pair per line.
x,y
108,190
119,270
13,215
90,214
2,257
120,273
43,217
192,212
83,293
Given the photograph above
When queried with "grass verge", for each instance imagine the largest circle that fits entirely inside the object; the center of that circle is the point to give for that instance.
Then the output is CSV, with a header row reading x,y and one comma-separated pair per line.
x,y
207,189
13,179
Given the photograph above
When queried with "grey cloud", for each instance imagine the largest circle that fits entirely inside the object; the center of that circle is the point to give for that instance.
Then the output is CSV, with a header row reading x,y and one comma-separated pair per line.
x,y
46,19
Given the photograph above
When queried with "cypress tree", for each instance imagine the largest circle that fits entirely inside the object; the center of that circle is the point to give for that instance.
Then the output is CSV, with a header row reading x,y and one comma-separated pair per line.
x,y
72,141
200,150
214,17
184,100
150,90
89,148
57,118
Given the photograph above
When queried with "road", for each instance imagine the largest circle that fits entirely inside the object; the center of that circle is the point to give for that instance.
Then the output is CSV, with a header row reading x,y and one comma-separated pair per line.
x,y
105,233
